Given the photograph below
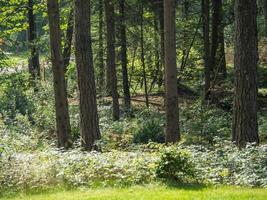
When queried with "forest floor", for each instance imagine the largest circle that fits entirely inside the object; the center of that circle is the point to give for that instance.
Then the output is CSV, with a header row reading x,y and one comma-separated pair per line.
x,y
150,192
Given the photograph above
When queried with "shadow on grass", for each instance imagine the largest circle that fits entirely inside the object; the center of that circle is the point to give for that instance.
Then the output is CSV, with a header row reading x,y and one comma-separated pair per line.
x,y
184,186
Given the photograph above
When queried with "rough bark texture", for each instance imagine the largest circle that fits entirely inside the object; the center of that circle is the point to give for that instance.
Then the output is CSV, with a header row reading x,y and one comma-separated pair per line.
x,y
68,40
89,123
61,101
172,112
245,126
34,64
111,66
206,39
101,78
265,15
124,61
217,58
143,55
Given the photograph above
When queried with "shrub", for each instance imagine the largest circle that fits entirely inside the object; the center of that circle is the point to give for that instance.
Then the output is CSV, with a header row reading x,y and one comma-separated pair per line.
x,y
150,130
175,164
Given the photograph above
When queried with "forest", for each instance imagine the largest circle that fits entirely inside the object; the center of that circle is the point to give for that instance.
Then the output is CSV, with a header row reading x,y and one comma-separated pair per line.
x,y
133,99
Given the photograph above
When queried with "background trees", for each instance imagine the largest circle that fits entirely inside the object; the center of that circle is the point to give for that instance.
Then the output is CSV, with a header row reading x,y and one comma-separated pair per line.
x,y
124,60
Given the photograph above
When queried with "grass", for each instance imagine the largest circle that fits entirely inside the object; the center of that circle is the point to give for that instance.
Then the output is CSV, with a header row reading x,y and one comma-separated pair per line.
x,y
150,192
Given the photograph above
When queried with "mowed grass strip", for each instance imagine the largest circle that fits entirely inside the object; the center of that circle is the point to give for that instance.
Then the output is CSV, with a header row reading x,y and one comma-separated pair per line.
x,y
150,192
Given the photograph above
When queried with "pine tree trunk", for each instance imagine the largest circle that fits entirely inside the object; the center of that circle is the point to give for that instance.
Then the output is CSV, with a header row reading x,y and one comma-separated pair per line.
x,y
245,126
61,101
101,78
265,15
89,122
217,58
34,64
68,40
172,112
124,61
206,39
143,55
111,66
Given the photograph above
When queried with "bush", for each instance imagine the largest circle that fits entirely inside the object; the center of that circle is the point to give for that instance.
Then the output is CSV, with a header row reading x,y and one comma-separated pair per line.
x,y
150,131
175,165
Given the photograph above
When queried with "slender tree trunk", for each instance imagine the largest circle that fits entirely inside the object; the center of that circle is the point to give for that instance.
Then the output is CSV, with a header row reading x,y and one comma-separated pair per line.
x,y
101,46
124,61
206,39
245,126
111,66
61,101
172,112
34,63
143,55
68,40
161,24
157,54
265,15
217,58
84,61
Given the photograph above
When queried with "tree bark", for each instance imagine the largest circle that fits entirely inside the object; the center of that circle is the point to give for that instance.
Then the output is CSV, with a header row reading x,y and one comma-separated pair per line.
x,y
68,40
206,40
265,15
124,61
172,111
89,122
143,55
33,62
111,66
217,58
245,126
101,79
61,101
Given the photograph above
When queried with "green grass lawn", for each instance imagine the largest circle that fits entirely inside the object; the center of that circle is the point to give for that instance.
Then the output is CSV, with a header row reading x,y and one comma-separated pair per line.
x,y
150,192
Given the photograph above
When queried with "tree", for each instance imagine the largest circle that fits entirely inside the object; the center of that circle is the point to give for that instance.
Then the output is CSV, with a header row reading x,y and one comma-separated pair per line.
x,y
265,16
89,124
124,62
172,112
217,54
34,64
61,101
245,126
68,40
143,54
101,79
111,66
206,40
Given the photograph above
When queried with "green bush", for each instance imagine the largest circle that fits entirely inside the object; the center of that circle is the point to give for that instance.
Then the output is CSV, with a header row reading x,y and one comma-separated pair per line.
x,y
175,165
149,131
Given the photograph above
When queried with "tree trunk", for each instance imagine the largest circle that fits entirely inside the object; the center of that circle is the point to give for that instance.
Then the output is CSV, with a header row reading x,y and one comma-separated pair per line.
x,y
86,80
111,66
217,58
245,126
265,15
143,55
34,64
61,101
161,25
68,40
206,39
124,62
172,112
101,79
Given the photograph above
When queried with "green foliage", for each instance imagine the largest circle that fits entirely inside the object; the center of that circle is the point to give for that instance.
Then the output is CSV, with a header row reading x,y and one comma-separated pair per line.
x,y
201,124
15,96
150,130
176,165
